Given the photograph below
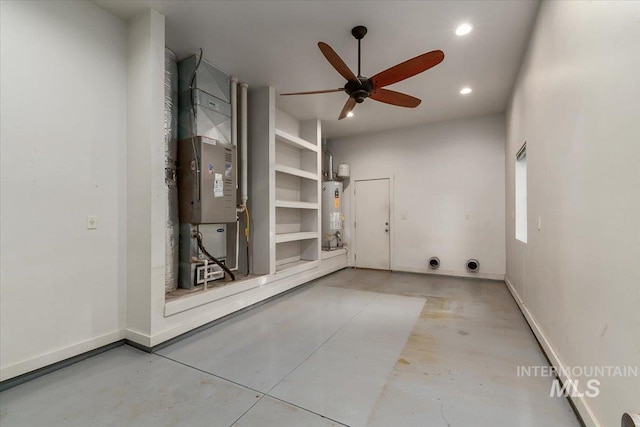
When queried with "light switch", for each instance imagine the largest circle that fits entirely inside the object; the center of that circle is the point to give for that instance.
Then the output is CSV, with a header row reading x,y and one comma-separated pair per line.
x,y
92,222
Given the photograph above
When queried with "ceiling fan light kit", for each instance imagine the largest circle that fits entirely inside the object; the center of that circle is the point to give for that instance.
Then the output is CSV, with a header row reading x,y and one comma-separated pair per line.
x,y
360,88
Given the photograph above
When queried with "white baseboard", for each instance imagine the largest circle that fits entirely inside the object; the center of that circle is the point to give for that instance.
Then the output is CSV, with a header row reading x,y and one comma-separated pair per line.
x,y
451,273
259,294
137,337
242,300
58,355
580,403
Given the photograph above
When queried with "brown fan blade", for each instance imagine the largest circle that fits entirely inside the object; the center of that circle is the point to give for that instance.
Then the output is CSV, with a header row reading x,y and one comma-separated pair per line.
x,y
312,92
407,69
337,62
348,106
394,98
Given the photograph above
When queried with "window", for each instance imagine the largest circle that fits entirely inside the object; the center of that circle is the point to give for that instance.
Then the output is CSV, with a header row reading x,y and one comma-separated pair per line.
x,y
521,194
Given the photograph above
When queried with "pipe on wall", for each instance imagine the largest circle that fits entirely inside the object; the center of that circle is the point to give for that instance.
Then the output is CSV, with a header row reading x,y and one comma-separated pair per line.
x,y
243,143
234,141
234,111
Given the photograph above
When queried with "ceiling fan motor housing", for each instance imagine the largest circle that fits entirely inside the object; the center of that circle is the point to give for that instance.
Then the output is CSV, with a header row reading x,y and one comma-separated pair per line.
x,y
361,91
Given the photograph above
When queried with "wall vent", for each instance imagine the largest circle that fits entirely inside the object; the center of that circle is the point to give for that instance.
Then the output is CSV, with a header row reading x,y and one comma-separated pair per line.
x,y
473,265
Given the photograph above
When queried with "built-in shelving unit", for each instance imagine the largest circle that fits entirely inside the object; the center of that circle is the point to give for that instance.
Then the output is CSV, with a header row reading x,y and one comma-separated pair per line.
x,y
285,190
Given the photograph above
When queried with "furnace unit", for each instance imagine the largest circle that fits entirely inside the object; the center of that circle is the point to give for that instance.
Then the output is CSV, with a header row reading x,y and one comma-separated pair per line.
x,y
206,181
207,203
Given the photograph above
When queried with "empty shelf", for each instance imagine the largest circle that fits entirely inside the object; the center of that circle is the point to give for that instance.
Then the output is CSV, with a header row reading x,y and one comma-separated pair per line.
x,y
296,172
295,205
294,141
290,237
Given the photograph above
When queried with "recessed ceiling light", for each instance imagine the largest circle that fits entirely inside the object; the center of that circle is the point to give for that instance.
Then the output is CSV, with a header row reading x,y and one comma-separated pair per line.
x,y
350,114
465,91
464,29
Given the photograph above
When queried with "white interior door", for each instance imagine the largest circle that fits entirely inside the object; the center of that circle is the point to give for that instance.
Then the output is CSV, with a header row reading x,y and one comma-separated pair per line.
x,y
372,224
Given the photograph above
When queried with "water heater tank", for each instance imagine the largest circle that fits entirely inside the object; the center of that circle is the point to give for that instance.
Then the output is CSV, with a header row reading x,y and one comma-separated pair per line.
x,y
331,214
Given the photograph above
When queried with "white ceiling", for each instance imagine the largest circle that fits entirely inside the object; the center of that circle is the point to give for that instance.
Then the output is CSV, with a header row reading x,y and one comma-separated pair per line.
x,y
275,43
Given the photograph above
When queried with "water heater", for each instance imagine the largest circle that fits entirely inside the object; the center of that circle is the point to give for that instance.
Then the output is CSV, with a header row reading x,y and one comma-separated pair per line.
x,y
331,214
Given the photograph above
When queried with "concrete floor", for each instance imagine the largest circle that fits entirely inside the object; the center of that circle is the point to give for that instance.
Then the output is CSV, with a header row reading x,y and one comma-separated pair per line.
x,y
355,348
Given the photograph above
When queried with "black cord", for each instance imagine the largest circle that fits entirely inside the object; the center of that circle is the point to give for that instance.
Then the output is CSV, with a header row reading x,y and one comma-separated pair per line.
x,y
192,119
193,80
198,237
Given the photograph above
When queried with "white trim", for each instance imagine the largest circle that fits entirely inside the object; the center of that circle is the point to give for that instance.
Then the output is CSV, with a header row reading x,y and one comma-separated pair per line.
x,y
247,298
137,337
334,253
580,403
450,273
55,356
253,296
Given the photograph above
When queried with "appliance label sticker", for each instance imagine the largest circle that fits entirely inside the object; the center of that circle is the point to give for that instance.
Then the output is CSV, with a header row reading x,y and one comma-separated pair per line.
x,y
336,223
336,203
218,186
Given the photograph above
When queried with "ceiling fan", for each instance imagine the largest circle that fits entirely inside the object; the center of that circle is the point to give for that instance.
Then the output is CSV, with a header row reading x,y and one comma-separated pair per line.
x,y
360,88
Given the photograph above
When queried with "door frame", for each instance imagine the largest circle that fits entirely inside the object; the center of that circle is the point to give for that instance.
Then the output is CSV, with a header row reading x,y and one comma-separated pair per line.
x,y
392,222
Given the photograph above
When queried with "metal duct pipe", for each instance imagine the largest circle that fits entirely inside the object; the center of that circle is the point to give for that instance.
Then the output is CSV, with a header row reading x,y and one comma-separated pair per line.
x,y
243,143
234,141
330,166
234,111
172,225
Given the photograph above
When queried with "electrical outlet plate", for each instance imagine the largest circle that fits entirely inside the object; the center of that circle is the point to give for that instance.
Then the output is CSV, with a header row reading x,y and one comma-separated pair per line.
x,y
92,222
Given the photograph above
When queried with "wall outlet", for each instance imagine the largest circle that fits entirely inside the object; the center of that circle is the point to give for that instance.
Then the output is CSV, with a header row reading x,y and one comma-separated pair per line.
x,y
92,222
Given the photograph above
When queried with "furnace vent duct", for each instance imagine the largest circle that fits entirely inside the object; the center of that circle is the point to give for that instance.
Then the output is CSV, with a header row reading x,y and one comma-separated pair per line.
x,y
170,156
473,265
434,263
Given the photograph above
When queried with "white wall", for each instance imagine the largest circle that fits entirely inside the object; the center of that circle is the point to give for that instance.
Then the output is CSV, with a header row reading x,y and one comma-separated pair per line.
x,y
146,191
63,157
440,173
577,105
287,123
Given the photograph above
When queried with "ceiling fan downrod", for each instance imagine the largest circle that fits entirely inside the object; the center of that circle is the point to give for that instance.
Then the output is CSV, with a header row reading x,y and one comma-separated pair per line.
x,y
359,32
